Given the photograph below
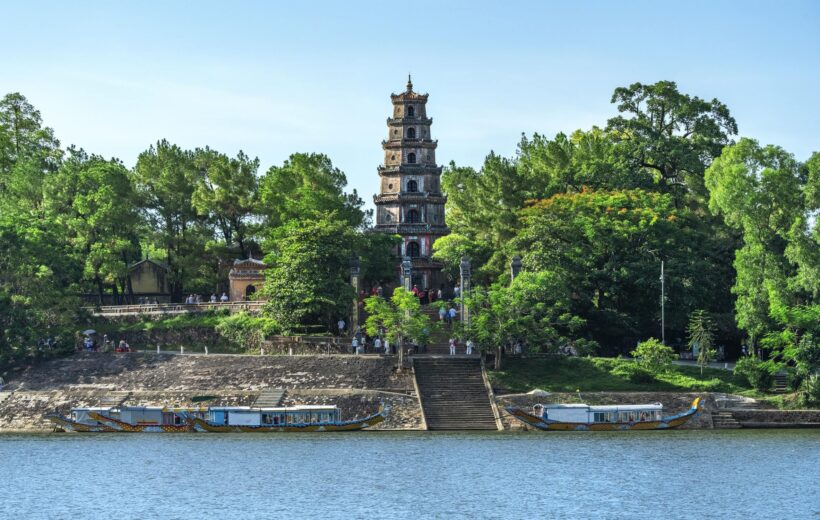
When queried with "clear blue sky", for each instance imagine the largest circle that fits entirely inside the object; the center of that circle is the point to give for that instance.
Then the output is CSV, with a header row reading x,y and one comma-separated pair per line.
x,y
276,78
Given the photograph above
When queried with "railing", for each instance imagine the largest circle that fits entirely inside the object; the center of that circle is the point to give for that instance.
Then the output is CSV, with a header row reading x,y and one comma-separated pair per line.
x,y
174,308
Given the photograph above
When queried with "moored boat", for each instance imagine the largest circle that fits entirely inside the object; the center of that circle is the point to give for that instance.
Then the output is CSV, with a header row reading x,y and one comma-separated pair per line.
x,y
211,419
583,417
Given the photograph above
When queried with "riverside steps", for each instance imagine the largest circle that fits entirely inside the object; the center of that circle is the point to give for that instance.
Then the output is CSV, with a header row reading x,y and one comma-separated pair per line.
x,y
454,393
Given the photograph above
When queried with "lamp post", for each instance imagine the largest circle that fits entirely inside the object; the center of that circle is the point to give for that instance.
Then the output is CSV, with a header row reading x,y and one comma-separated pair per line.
x,y
355,269
515,267
464,270
407,282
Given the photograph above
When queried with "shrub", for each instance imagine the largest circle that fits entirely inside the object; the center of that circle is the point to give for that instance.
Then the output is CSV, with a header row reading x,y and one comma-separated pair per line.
x,y
633,373
759,374
810,390
246,331
654,356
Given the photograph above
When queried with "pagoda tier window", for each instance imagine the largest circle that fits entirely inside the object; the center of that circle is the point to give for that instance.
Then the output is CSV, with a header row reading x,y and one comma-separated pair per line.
x,y
411,133
413,216
411,158
412,186
411,111
413,249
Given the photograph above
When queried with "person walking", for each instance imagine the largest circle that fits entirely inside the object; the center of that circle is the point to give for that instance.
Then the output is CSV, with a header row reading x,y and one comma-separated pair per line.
x,y
452,347
355,345
442,313
387,351
341,324
377,345
469,351
452,313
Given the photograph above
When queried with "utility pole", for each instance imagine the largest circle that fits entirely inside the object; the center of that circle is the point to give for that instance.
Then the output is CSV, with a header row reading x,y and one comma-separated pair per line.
x,y
663,316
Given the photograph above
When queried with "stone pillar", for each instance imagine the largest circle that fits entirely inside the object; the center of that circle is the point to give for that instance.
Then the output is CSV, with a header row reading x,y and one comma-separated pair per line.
x,y
355,270
407,273
515,267
464,268
407,283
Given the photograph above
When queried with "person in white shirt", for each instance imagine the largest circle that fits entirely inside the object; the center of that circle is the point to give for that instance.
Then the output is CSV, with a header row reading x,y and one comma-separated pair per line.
x,y
341,324
213,298
355,345
223,298
469,347
387,346
377,344
452,347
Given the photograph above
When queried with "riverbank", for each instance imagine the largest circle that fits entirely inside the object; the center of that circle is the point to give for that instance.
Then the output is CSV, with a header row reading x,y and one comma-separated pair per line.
x,y
357,384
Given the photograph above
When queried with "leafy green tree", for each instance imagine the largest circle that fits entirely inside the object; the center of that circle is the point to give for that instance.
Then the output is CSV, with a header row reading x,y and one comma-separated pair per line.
x,y
93,201
768,196
607,247
654,355
307,186
534,309
702,337
226,193
400,318
671,135
28,150
307,282
166,177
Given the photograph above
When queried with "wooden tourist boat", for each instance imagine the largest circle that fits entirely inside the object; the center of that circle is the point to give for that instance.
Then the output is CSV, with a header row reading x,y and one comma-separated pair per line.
x,y
127,419
211,419
583,417
305,418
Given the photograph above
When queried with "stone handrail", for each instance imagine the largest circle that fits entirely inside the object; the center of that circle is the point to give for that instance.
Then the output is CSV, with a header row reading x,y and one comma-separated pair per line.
x,y
174,308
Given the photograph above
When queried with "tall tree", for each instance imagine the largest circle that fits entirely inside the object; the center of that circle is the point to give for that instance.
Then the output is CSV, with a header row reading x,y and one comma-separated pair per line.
x,y
307,186
227,194
93,201
165,177
671,135
767,195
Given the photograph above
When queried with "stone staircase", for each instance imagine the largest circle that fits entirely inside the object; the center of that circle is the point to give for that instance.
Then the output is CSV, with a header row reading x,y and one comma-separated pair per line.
x,y
4,396
724,420
270,398
440,340
113,399
454,394
781,383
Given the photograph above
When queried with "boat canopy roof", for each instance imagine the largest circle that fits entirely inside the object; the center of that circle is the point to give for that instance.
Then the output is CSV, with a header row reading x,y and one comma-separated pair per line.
x,y
299,408
606,408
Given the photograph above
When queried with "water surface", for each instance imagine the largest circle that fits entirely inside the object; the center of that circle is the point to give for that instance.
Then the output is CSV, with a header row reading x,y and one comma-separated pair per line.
x,y
672,474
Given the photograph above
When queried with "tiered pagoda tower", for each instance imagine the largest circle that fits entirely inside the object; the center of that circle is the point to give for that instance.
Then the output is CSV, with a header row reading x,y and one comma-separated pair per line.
x,y
410,202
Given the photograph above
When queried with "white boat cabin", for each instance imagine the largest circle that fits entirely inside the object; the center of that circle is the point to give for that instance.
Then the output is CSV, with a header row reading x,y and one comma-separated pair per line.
x,y
585,414
279,416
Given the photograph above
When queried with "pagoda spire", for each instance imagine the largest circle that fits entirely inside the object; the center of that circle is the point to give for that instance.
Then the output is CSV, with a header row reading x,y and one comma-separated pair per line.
x,y
409,83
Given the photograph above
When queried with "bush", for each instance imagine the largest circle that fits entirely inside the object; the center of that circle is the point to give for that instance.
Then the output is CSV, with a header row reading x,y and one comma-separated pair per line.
x,y
633,373
246,331
654,356
759,374
810,391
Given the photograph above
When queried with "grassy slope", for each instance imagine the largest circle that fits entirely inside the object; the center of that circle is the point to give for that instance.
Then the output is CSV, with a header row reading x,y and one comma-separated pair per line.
x,y
562,374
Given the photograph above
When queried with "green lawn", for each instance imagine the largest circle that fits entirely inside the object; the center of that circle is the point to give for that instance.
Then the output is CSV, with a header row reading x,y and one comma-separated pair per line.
x,y
563,374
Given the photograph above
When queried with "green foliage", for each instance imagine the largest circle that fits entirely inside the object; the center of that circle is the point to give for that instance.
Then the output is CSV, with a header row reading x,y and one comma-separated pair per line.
x,y
810,390
759,374
165,178
671,135
400,318
566,374
701,332
307,282
654,356
634,373
534,310
307,187
226,194
246,331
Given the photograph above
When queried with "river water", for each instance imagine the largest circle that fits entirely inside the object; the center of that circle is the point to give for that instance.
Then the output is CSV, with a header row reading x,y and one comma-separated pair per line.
x,y
672,474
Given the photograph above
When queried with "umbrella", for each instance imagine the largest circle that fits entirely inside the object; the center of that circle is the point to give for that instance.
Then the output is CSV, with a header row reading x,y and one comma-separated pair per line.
x,y
89,332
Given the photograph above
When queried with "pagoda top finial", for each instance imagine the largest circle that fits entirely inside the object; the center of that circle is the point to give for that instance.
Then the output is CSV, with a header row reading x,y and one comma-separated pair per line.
x,y
409,83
